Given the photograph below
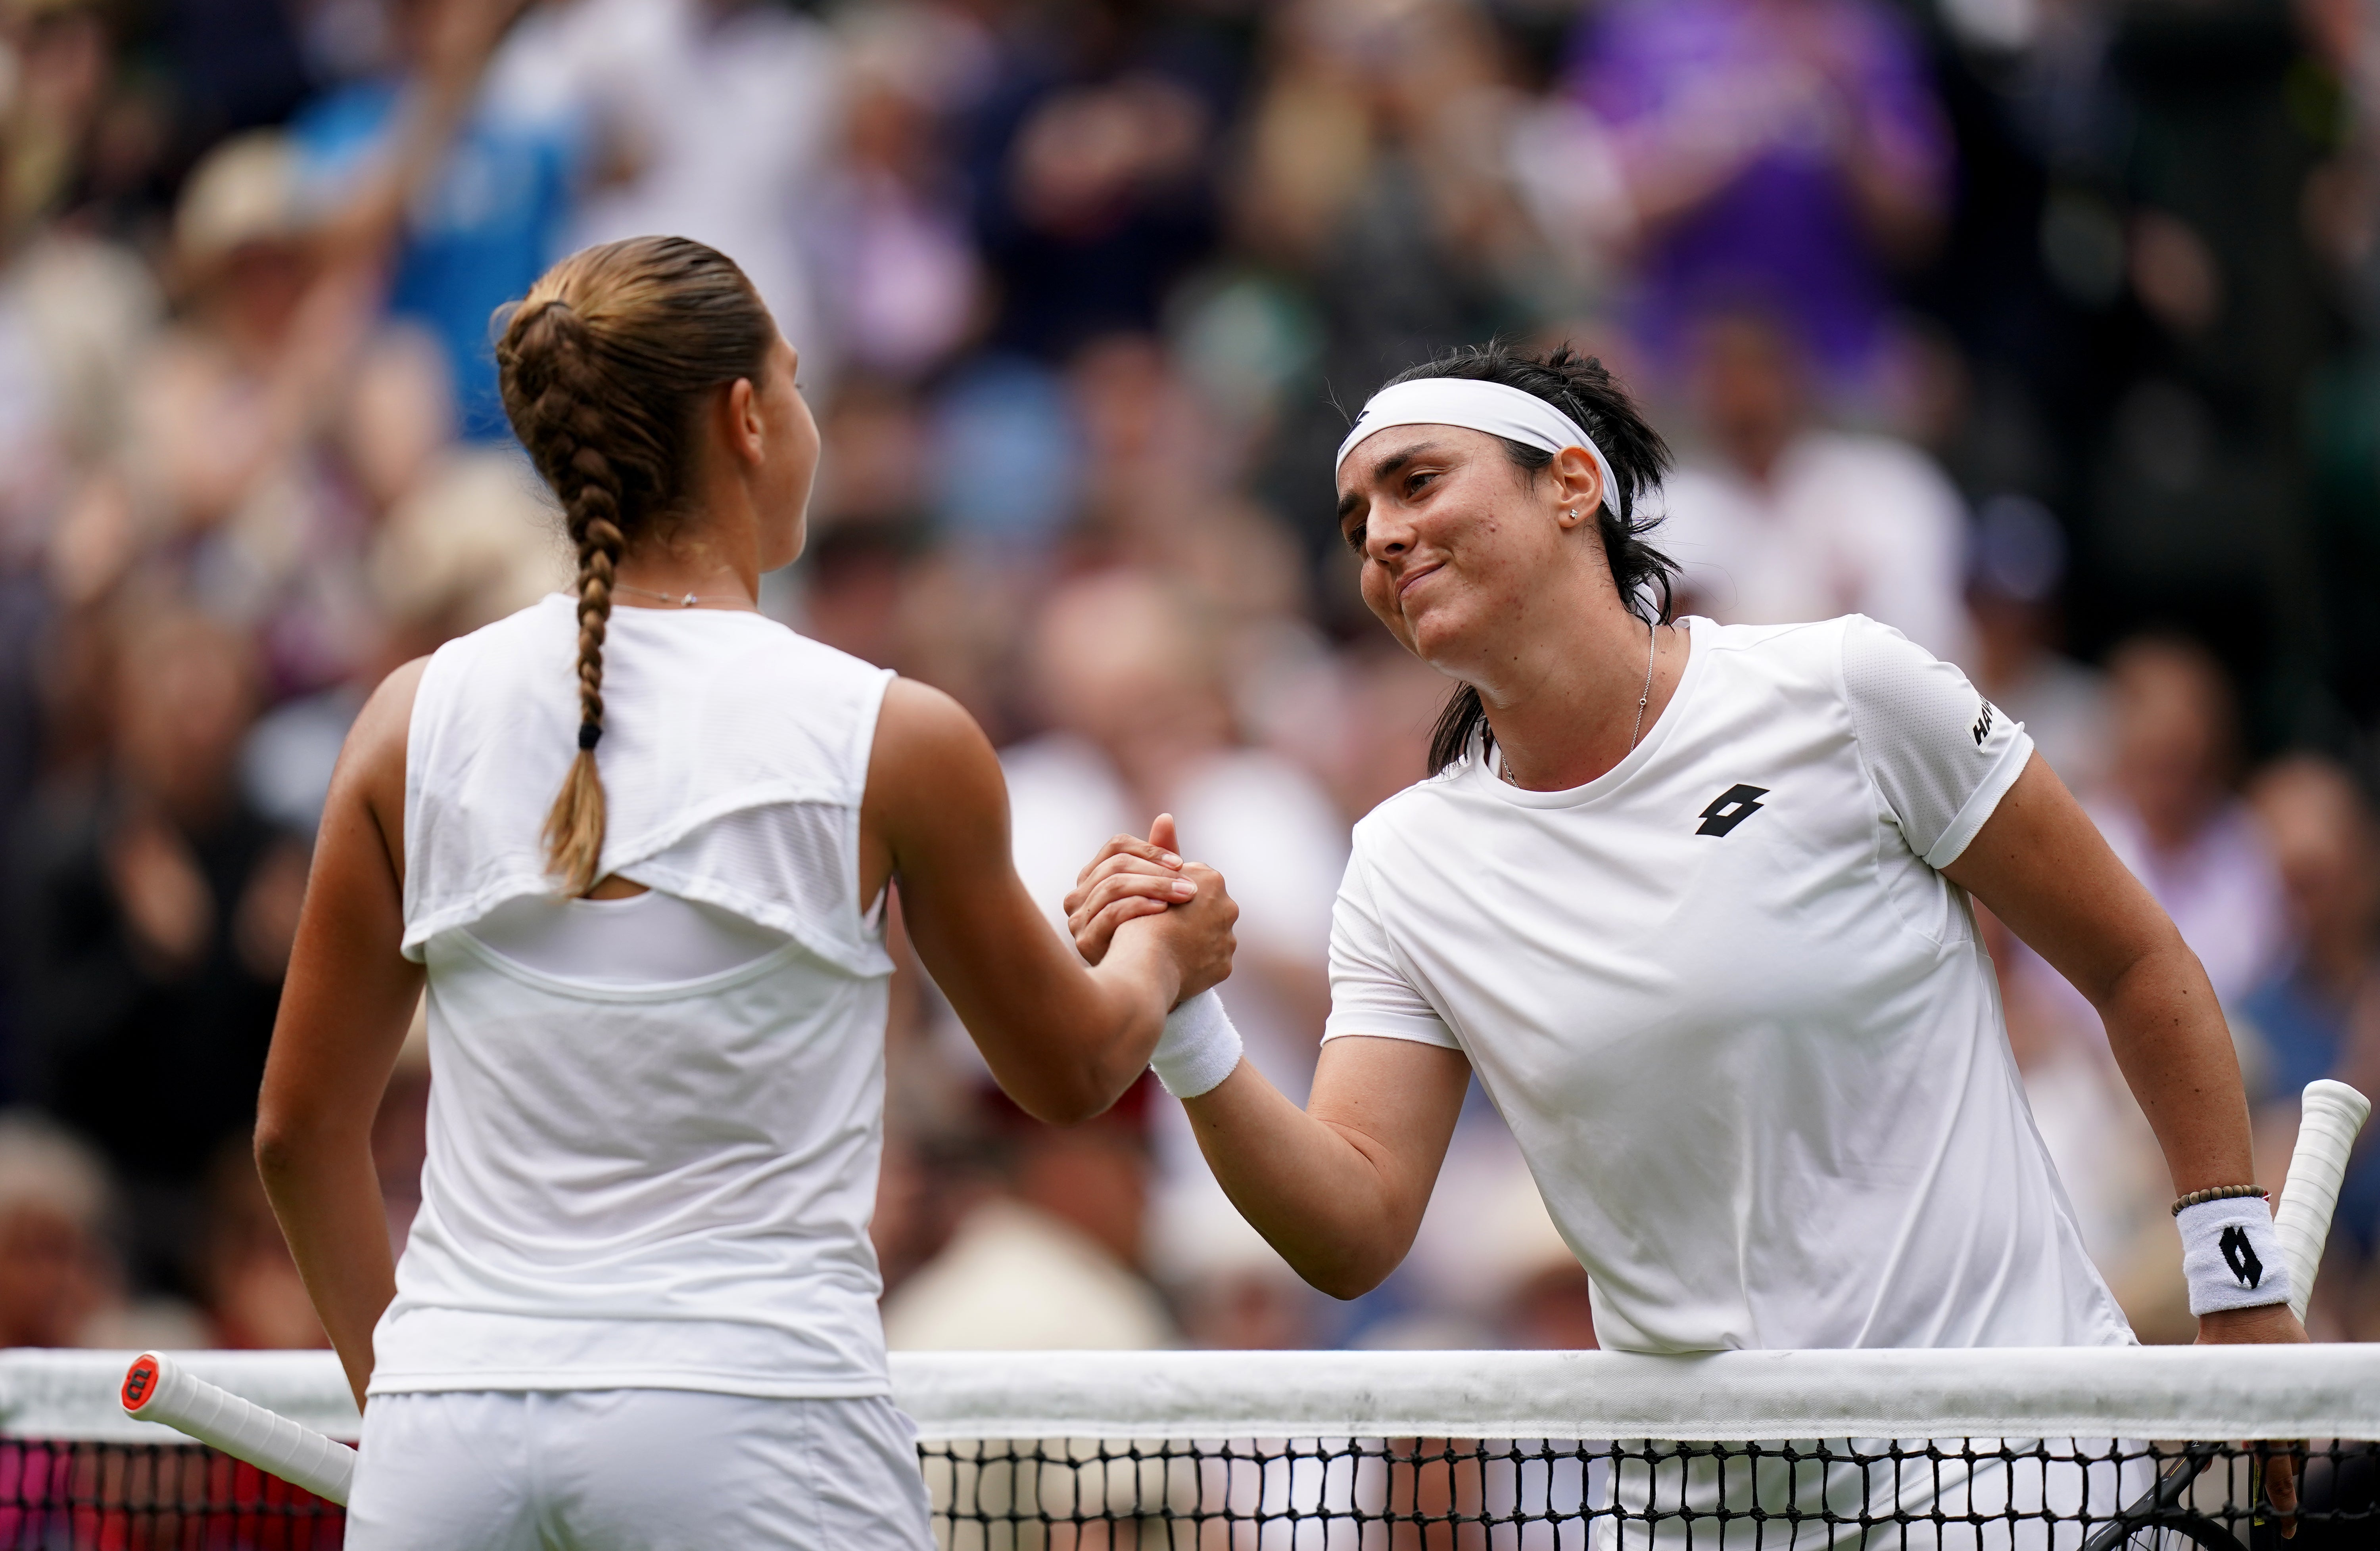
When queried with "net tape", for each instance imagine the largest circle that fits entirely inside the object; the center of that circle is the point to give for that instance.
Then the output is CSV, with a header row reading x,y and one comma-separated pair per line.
x,y
2063,1449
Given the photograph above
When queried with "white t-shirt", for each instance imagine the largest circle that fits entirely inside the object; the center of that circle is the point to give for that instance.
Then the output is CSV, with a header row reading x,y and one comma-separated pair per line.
x,y
1742,1028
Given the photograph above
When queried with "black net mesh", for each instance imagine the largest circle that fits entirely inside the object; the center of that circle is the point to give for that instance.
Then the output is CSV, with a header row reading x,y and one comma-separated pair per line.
x,y
1392,1495
1326,1495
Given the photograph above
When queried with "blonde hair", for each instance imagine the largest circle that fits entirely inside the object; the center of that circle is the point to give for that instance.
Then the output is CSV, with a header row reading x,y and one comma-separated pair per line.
x,y
604,366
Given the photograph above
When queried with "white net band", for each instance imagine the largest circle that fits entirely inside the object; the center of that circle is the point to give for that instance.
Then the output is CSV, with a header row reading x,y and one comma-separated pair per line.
x,y
2215,1393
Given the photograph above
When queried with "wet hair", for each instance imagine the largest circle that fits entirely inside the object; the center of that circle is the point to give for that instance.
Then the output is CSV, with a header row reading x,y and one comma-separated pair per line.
x,y
605,367
1581,387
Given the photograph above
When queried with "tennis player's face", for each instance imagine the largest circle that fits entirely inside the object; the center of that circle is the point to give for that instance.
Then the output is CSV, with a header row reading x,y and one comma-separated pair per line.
x,y
1450,534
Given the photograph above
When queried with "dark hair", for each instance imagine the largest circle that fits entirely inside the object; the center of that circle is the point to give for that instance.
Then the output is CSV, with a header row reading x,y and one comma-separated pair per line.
x,y
1582,388
603,367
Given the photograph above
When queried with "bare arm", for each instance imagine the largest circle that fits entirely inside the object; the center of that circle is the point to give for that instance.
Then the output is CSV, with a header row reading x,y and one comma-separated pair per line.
x,y
344,1009
1337,1188
2042,867
1064,1040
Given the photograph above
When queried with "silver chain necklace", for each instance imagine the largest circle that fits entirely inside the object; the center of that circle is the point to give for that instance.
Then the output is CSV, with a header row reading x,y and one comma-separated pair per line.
x,y
684,600
1652,643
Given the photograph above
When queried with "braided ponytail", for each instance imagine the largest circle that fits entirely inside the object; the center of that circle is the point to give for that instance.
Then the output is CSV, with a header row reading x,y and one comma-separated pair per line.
x,y
603,368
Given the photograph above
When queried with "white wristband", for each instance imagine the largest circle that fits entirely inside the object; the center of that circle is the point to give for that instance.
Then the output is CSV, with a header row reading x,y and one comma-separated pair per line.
x,y
1198,1049
2231,1255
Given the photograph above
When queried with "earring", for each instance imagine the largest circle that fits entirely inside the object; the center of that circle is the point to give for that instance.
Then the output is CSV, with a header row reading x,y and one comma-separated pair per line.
x,y
1571,514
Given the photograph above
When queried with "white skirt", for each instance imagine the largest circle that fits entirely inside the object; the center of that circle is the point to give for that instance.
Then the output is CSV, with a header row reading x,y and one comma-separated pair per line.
x,y
635,1470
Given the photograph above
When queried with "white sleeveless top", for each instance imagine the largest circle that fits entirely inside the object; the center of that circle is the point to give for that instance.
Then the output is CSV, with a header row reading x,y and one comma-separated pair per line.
x,y
632,1183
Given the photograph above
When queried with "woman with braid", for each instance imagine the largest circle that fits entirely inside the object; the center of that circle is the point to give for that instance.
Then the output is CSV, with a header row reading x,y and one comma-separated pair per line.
x,y
638,845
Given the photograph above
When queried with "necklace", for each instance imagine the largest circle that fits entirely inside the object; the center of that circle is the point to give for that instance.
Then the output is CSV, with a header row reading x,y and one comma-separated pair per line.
x,y
684,600
1652,642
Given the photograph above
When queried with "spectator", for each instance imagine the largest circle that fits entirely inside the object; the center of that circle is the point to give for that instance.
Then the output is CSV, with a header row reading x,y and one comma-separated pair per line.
x,y
1125,677
154,913
61,1279
1786,521
2018,564
709,119
2325,844
1091,159
1050,1262
2319,1014
1378,171
1782,155
898,265
225,472
56,1275
1551,1310
1254,1302
2171,815
469,193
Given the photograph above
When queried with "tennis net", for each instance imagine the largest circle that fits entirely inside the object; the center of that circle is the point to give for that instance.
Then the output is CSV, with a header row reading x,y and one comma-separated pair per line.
x,y
2093,1451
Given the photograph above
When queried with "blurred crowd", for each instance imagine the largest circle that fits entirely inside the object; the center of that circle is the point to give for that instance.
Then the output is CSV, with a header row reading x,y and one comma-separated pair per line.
x,y
2045,331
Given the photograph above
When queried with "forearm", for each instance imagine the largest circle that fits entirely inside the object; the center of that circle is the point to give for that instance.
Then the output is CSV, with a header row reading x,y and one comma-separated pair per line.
x,y
2171,1042
1318,1192
326,1194
1106,1044
1064,1039
2041,866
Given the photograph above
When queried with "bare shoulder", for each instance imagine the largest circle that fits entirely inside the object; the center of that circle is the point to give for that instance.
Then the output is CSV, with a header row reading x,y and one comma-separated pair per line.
x,y
924,738
382,727
370,780
932,771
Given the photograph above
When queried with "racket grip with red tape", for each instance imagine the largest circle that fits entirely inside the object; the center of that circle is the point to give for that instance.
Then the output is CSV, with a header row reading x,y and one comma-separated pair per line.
x,y
2332,1114
158,1389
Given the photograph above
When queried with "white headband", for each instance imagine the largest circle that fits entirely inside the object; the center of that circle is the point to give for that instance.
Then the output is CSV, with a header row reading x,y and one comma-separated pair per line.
x,y
1489,406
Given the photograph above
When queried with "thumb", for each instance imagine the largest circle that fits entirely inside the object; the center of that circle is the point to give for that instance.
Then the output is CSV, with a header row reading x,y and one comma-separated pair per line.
x,y
1161,835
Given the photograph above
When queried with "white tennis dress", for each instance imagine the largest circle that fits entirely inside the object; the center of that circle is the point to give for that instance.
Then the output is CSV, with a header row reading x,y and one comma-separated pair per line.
x,y
638,1304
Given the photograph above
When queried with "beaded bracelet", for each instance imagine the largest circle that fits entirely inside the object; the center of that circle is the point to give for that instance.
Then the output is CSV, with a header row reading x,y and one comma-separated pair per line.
x,y
2218,1192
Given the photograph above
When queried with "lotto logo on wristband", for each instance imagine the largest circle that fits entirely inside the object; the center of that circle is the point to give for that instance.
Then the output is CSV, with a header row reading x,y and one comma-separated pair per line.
x,y
2241,1256
2231,1256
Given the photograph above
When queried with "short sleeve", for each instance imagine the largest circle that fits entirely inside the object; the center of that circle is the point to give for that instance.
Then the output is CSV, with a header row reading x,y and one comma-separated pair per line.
x,y
1368,993
1941,754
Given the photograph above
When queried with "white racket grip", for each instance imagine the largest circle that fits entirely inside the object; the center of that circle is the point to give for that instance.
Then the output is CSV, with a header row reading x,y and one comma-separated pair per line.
x,y
2330,1117
158,1389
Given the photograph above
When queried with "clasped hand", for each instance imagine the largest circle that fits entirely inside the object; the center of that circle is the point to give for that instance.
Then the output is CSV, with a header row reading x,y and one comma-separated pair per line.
x,y
1132,877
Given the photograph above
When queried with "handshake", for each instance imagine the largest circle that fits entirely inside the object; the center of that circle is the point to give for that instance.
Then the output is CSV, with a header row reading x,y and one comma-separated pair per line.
x,y
1190,914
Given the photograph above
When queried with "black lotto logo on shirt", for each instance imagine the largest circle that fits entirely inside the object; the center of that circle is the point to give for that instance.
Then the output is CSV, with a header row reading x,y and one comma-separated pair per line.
x,y
1983,727
1731,808
2241,1256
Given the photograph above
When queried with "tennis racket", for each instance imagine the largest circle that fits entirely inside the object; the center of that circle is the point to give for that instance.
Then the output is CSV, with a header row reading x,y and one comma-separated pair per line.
x,y
156,1389
2330,1115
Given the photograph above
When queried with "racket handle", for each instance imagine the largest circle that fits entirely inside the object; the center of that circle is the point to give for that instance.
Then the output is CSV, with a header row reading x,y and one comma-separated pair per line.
x,y
2332,1114
156,1389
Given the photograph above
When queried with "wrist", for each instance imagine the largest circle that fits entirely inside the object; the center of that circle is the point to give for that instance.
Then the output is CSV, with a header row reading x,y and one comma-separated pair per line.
x,y
2231,1257
2265,1322
1199,1047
